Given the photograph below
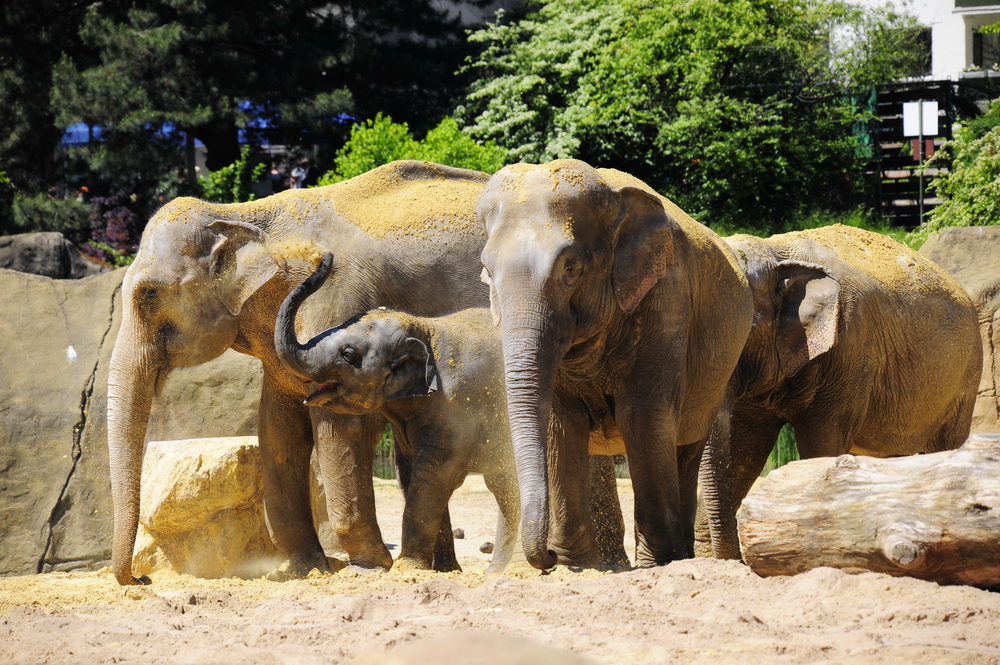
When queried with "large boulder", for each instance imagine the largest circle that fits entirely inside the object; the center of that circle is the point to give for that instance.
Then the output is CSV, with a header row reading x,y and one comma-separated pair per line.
x,y
56,338
972,256
48,254
201,511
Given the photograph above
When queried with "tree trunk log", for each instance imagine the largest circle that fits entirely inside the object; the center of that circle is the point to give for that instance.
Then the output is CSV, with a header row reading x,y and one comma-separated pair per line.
x,y
935,516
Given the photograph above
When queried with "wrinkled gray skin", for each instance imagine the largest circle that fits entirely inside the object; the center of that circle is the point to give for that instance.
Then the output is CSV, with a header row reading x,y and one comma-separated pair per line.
x,y
439,381
601,284
211,277
862,344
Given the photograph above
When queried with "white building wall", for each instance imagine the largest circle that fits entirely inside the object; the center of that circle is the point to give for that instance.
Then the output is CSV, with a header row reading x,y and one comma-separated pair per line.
x,y
951,30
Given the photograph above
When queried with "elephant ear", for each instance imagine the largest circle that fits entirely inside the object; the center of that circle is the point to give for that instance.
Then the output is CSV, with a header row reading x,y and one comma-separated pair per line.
x,y
808,312
239,262
413,372
644,246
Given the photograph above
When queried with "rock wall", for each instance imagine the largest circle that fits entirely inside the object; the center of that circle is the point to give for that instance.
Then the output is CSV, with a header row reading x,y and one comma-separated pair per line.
x,y
48,254
972,256
56,338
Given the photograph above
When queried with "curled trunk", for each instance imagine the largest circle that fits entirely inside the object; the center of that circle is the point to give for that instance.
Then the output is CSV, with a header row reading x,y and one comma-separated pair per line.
x,y
291,353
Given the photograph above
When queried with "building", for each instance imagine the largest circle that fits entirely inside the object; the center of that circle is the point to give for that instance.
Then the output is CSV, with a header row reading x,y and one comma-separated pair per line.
x,y
951,31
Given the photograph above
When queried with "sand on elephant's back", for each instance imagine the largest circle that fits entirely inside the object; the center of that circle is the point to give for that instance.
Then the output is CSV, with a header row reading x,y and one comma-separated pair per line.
x,y
380,204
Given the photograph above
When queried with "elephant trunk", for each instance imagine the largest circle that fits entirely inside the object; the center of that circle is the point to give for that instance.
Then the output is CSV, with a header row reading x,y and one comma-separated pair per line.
x,y
716,478
531,360
291,353
131,385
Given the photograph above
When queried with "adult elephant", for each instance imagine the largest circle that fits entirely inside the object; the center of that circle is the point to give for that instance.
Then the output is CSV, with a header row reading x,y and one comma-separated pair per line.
x,y
209,277
862,344
603,286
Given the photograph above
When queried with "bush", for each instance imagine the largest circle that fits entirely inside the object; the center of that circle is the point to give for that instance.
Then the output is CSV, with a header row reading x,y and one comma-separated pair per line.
x,y
114,234
380,140
233,183
40,212
971,188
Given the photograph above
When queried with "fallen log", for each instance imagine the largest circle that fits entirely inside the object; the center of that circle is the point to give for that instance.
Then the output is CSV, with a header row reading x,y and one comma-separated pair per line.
x,y
935,517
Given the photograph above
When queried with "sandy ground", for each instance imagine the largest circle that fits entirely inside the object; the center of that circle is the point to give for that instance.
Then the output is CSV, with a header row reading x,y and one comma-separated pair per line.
x,y
697,611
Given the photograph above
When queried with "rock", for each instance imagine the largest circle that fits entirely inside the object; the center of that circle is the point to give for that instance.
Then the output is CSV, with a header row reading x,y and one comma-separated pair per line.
x,y
201,511
972,256
458,534
56,338
47,254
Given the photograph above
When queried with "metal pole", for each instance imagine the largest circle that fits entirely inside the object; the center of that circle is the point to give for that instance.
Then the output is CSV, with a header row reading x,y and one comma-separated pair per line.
x,y
920,165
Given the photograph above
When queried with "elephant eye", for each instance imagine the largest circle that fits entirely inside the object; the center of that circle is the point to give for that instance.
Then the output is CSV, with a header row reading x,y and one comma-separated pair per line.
x,y
572,270
350,356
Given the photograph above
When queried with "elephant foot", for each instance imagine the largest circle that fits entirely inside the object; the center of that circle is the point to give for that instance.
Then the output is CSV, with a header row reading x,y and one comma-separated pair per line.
x,y
646,558
293,569
354,570
405,564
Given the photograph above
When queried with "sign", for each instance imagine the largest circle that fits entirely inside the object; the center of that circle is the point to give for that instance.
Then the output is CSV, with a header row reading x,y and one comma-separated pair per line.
x,y
912,112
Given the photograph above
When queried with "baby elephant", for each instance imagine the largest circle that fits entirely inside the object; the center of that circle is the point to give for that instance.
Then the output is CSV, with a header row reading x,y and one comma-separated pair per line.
x,y
456,424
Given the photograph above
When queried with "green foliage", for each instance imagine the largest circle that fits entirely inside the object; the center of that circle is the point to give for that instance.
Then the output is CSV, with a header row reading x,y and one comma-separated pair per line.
x,y
384,464
970,188
117,259
39,212
233,183
380,141
739,111
784,451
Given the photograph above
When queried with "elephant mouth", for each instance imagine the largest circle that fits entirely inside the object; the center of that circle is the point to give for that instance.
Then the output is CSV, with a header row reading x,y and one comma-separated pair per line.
x,y
323,395
331,396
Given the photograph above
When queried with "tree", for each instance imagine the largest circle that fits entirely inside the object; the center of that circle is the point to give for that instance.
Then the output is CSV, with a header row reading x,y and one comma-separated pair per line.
x,y
380,141
33,37
740,110
157,74
970,188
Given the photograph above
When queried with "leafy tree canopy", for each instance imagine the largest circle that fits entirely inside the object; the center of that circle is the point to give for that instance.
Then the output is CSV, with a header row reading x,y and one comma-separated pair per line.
x,y
731,107
380,141
154,73
970,188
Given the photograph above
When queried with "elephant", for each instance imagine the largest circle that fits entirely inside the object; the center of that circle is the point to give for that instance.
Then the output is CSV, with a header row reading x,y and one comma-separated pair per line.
x,y
208,277
439,382
602,286
862,344
434,379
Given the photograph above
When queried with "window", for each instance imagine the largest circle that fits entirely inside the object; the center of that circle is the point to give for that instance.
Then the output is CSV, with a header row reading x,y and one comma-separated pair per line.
x,y
985,50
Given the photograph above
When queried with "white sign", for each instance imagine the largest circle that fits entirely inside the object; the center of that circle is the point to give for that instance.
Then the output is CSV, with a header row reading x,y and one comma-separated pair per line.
x,y
912,119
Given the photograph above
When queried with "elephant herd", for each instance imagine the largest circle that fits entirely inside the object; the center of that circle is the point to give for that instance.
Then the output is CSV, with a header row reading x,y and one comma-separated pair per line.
x,y
505,324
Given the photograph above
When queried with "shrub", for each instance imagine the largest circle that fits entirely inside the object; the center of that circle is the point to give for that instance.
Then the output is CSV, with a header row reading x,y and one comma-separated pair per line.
x,y
379,141
114,234
40,212
233,183
971,188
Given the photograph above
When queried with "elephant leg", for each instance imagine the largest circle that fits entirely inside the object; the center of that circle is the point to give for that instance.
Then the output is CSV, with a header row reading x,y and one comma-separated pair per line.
x,y
571,536
286,442
345,447
426,523
504,489
606,512
444,560
650,432
735,454
688,463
